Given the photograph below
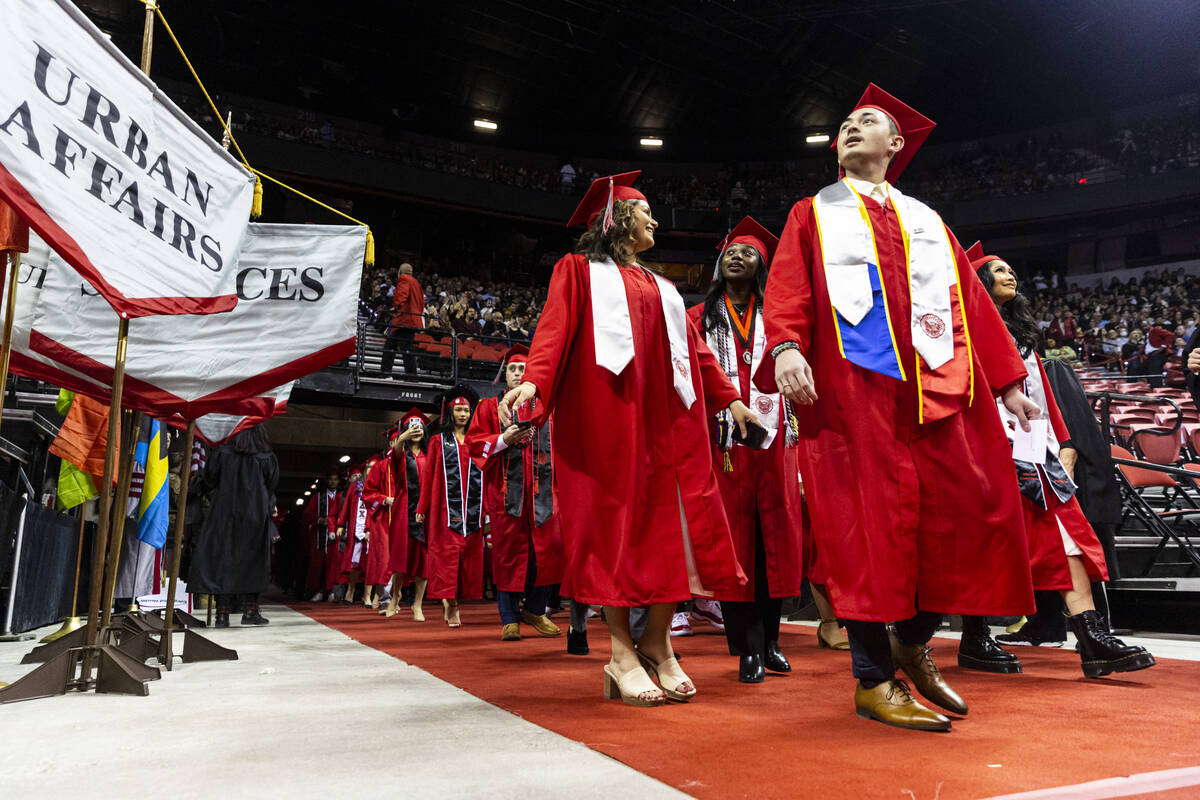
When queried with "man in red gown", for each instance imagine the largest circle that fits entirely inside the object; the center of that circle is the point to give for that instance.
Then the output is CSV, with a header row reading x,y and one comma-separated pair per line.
x,y
451,507
758,485
385,491
320,515
527,553
877,325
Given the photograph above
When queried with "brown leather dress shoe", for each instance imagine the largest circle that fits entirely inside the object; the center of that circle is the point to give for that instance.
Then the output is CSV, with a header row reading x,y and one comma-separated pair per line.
x,y
917,662
510,632
542,624
892,704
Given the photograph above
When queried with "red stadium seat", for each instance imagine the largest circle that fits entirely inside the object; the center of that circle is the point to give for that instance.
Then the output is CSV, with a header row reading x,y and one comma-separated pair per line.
x,y
1159,445
1138,477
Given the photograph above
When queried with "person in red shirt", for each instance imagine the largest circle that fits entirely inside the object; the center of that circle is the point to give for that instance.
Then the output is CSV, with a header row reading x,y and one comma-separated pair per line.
x,y
640,509
892,352
408,315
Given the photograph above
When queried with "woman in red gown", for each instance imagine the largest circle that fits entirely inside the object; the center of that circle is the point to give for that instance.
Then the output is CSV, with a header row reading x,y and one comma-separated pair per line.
x,y
451,508
641,514
407,560
1064,551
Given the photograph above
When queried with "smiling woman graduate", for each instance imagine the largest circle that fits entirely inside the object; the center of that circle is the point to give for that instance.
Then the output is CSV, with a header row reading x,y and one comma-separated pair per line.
x,y
640,510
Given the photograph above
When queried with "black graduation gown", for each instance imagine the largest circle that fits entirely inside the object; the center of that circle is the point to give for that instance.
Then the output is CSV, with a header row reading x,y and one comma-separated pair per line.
x,y
232,552
1099,495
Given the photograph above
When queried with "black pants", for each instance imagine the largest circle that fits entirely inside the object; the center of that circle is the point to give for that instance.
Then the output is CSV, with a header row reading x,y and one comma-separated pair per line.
x,y
749,626
401,337
225,602
871,651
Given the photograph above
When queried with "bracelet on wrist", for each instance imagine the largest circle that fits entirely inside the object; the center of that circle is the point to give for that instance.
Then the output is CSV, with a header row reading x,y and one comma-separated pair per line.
x,y
784,346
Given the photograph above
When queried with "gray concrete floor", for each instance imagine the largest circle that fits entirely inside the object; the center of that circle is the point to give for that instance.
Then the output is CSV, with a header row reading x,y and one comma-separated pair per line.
x,y
306,712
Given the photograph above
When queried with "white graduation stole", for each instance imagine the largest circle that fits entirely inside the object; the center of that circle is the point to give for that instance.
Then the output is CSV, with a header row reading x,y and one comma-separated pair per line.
x,y
848,246
612,328
360,517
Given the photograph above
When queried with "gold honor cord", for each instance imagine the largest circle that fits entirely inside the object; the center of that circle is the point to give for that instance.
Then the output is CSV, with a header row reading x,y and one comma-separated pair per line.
x,y
256,207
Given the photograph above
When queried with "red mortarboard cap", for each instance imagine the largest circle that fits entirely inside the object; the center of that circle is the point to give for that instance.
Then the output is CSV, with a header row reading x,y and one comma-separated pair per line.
x,y
977,257
750,232
14,233
411,415
601,193
517,354
913,126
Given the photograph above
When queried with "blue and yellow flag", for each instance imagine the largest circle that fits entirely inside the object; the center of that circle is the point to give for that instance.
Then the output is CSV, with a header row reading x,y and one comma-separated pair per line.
x,y
153,508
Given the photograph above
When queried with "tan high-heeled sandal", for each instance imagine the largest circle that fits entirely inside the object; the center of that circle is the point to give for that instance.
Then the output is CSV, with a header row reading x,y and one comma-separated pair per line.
x,y
452,619
835,641
632,687
669,676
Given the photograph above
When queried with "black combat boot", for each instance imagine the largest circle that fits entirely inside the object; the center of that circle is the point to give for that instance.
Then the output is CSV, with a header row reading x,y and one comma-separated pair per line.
x,y
1100,652
978,650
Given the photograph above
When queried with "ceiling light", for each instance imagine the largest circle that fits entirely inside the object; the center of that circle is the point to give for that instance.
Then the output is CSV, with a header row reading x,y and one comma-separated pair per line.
x,y
307,492
344,460
299,501
817,138
650,141
486,124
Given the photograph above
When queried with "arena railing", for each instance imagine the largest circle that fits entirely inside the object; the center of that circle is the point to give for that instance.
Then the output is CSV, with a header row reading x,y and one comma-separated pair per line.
x,y
401,353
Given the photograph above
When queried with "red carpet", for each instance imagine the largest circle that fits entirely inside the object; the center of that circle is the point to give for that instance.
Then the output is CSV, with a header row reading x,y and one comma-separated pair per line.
x,y
796,736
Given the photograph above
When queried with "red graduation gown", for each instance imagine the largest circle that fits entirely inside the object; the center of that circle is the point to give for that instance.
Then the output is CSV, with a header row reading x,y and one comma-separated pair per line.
x,y
454,563
321,555
408,553
900,510
762,490
512,536
388,524
633,452
1047,557
347,514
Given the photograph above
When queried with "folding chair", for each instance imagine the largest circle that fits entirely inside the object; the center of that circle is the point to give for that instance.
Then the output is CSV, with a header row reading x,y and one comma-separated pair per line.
x,y
1170,525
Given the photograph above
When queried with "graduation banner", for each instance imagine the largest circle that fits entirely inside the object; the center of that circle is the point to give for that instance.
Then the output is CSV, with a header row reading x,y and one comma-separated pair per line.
x,y
298,286
117,179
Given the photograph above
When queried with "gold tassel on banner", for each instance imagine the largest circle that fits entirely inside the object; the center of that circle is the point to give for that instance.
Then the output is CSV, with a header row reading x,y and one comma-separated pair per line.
x,y
728,462
256,204
369,257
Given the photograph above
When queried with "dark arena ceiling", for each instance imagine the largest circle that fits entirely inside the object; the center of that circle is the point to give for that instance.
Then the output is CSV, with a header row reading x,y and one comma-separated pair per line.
x,y
716,79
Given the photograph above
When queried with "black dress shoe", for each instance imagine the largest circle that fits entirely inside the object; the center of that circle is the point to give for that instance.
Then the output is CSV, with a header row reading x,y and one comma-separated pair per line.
x,y
978,650
751,669
254,618
222,620
577,643
774,659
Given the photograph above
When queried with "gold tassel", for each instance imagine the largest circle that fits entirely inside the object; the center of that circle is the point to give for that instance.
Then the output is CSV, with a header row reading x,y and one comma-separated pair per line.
x,y
256,204
369,257
728,463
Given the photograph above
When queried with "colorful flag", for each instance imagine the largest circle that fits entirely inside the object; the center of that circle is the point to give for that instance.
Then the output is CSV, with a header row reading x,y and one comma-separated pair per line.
x,y
151,454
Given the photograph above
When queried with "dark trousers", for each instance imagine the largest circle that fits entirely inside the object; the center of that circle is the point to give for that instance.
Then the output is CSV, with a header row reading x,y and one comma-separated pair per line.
x,y
398,337
749,626
535,596
249,602
871,651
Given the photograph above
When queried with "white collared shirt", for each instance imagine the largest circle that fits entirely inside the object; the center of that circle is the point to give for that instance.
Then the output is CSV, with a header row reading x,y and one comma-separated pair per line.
x,y
875,191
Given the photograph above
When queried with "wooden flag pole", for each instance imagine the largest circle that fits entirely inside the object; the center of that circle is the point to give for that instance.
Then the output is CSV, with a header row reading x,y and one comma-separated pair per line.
x,y
100,546
116,540
185,467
